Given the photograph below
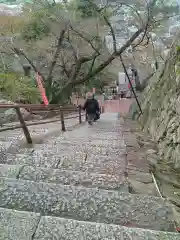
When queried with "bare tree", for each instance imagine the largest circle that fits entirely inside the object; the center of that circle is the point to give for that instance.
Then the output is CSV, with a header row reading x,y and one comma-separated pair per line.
x,y
74,51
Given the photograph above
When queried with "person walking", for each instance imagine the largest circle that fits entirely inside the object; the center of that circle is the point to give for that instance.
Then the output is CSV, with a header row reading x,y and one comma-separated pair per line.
x,y
91,106
98,112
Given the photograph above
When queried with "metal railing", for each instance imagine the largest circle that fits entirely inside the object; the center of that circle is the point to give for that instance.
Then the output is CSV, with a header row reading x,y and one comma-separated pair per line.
x,y
62,112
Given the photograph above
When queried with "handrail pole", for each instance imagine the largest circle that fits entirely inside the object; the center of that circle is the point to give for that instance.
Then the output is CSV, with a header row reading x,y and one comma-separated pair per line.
x,y
129,80
24,127
80,118
62,121
50,107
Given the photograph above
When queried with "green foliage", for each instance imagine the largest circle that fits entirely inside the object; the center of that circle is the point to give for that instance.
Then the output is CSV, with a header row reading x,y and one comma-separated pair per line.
x,y
42,14
43,17
99,81
17,87
38,26
35,30
178,60
85,7
178,50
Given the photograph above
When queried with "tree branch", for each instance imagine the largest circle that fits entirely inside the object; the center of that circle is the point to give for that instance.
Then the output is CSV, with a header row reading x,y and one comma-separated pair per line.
x,y
114,55
75,71
149,20
3,63
55,57
105,63
129,80
108,23
75,55
21,53
92,64
64,69
85,39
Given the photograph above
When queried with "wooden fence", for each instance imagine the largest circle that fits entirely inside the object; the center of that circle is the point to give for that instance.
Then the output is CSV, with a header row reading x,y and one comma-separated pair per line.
x,y
62,112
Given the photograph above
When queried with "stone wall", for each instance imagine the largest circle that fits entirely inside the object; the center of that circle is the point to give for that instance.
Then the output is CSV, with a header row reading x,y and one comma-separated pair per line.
x,y
161,108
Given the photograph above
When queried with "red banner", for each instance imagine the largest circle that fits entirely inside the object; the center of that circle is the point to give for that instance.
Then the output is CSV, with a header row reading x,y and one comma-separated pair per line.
x,y
41,89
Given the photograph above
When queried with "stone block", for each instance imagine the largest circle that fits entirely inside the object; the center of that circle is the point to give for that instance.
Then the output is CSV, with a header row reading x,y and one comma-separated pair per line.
x,y
10,171
51,228
15,225
76,178
87,204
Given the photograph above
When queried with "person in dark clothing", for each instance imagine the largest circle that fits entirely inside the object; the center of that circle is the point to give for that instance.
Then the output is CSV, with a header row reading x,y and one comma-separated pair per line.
x,y
91,106
98,112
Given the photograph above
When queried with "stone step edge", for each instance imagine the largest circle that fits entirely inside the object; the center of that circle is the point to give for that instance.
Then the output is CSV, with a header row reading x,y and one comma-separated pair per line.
x,y
89,189
110,227
82,150
90,143
19,169
24,195
66,221
56,169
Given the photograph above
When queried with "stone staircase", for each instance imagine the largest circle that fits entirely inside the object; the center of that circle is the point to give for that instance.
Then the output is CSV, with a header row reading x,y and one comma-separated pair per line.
x,y
76,185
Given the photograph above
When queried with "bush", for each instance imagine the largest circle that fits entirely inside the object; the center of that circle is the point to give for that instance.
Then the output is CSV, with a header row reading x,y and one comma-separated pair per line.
x,y
35,30
37,27
15,87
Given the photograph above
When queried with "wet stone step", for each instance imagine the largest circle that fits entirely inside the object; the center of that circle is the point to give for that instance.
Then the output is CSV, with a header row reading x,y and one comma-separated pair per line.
x,y
140,176
100,136
138,168
96,164
51,228
10,171
50,161
108,123
87,204
4,145
16,149
70,160
15,225
105,127
83,142
74,178
108,126
69,148
95,132
96,149
107,131
111,144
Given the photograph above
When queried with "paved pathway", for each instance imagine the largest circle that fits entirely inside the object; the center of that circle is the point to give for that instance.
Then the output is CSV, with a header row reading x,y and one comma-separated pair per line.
x,y
122,105
74,185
